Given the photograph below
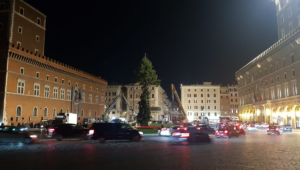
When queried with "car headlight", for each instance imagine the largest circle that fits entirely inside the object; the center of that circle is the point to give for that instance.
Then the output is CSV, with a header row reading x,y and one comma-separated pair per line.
x,y
141,133
33,136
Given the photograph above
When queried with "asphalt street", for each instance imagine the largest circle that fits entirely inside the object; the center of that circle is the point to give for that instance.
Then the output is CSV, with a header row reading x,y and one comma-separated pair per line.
x,y
256,150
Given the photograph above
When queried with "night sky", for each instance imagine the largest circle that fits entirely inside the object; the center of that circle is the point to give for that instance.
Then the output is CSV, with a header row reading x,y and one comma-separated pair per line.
x,y
188,41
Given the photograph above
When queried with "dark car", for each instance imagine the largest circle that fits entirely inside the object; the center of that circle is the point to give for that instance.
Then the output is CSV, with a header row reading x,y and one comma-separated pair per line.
x,y
15,134
207,130
192,135
62,131
227,132
113,131
277,130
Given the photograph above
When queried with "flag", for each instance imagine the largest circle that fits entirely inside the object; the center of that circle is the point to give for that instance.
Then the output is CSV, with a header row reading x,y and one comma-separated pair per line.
x,y
255,99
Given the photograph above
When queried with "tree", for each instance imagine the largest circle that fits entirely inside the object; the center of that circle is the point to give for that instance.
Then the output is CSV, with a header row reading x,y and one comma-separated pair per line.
x,y
145,76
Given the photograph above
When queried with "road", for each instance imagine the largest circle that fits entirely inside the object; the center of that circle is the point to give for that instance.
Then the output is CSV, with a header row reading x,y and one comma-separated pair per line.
x,y
254,151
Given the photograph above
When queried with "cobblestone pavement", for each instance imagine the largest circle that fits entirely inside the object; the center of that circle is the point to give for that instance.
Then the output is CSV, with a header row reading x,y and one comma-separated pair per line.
x,y
256,150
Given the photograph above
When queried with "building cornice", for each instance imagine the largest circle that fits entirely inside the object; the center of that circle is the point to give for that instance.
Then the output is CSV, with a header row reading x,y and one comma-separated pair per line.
x,y
33,8
27,19
50,64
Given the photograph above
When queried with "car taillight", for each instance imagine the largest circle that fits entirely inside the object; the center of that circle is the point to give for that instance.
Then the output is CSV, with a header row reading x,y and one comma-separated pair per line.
x,y
164,129
178,128
276,129
198,128
175,134
268,129
91,131
185,135
225,131
51,130
241,127
64,117
217,131
185,128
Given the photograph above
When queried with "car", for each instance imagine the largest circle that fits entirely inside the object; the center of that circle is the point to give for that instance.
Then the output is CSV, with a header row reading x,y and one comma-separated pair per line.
x,y
192,135
62,131
207,130
264,125
241,130
16,135
251,127
277,130
113,131
287,127
227,132
167,131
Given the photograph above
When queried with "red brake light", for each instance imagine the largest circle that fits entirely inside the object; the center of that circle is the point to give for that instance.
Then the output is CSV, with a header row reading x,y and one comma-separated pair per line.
x,y
51,130
185,128
91,131
178,128
164,129
268,129
175,134
276,129
198,128
226,131
64,117
185,135
216,131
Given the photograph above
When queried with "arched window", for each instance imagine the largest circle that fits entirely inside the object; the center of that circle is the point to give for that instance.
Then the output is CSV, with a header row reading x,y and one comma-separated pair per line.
x,y
68,111
54,112
61,110
95,113
45,112
82,113
90,114
19,111
35,112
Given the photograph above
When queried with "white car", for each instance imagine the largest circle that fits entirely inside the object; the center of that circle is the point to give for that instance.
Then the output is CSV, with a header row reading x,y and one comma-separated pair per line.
x,y
165,132
264,125
252,128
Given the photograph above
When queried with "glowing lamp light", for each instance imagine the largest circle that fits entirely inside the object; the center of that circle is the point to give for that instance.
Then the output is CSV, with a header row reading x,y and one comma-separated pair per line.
x,y
258,112
268,112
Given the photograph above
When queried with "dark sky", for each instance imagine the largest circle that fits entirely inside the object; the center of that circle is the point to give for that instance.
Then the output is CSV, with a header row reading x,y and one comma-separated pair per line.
x,y
188,41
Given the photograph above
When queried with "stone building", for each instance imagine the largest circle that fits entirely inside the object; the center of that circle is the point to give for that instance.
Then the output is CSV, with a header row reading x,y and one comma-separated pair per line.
x,y
34,87
229,101
268,84
201,101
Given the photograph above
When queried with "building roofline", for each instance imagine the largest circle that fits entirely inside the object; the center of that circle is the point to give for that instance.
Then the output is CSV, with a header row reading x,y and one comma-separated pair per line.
x,y
33,8
52,62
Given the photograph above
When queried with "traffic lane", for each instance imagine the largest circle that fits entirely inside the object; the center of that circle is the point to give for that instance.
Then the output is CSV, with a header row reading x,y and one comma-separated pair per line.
x,y
253,151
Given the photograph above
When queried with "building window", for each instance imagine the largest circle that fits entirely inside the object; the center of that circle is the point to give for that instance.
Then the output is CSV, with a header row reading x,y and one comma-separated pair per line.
x,y
208,107
152,95
235,100
90,98
201,101
195,95
36,51
152,88
96,100
91,88
207,89
286,91
76,85
290,27
284,75
19,44
215,107
38,21
131,96
2,5
189,101
279,93
62,81
83,97
21,70
284,63
195,101
35,112
82,113
55,92
281,19
69,95
54,112
215,101
37,75
68,111
21,11
62,93
293,58
37,38
188,89
96,89
19,111
189,107
208,114
47,77
83,86
215,114
277,78
231,100
21,86
294,73
61,111
215,95
207,95
295,89
69,83
271,80
55,79
45,112
195,107
36,90
47,91
282,33
20,30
